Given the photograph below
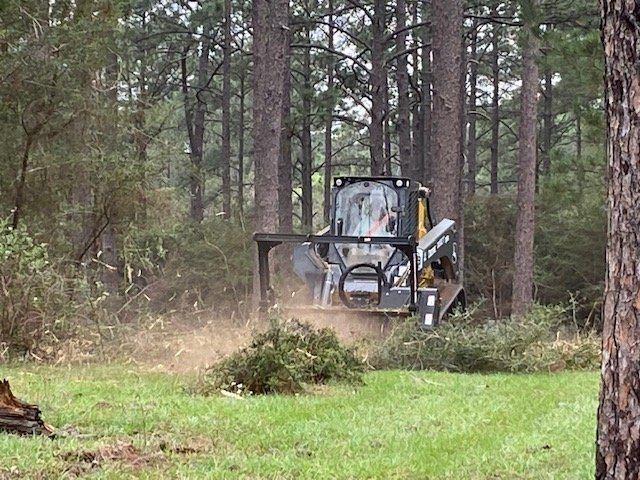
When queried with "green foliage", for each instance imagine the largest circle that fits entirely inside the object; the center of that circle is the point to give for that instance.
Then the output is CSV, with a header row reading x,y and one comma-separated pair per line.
x,y
569,248
18,251
211,262
282,360
524,344
570,252
28,287
489,223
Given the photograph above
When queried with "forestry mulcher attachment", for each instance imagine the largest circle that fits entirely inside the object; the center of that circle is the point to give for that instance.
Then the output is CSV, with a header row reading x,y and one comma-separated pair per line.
x,y
381,253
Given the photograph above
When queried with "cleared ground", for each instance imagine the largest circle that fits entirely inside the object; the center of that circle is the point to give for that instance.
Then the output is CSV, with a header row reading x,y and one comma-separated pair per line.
x,y
123,421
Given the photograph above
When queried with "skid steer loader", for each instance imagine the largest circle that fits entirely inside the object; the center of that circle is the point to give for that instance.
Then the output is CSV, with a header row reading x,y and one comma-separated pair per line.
x,y
381,253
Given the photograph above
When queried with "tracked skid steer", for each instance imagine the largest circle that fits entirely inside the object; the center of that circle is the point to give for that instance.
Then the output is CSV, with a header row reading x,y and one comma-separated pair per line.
x,y
381,254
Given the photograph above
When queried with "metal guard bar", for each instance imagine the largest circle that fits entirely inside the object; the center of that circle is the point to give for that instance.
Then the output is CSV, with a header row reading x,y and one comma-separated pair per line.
x,y
266,241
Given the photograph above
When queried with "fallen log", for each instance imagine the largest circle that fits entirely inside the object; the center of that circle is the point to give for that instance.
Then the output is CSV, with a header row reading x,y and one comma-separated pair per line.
x,y
19,417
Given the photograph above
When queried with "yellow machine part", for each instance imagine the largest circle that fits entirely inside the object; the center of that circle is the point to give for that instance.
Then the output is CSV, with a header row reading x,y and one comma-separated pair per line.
x,y
427,276
421,231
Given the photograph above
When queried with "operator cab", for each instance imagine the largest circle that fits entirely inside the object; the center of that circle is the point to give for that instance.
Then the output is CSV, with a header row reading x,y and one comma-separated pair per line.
x,y
374,207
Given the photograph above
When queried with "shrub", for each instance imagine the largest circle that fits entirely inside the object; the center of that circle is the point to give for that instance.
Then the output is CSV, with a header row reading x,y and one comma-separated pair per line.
x,y
524,344
489,226
28,286
211,263
569,251
283,359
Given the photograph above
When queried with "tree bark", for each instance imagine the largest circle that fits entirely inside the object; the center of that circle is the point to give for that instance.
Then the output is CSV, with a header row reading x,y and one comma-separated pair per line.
x,y
22,182
242,75
522,298
305,138
110,260
387,170
471,114
402,81
285,165
19,417
580,173
426,105
547,122
226,113
377,88
241,115
417,137
618,435
495,103
270,53
328,122
195,121
447,105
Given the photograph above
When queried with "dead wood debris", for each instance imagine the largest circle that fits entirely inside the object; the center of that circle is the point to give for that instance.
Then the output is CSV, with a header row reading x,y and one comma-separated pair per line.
x,y
19,417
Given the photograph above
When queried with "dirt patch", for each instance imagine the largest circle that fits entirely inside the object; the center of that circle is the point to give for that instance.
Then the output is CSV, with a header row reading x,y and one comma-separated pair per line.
x,y
180,346
187,342
80,462
13,473
350,326
123,452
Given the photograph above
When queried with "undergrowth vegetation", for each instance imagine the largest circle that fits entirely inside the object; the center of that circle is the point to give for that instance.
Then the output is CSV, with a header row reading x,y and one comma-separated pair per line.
x,y
290,355
38,300
570,240
283,359
539,341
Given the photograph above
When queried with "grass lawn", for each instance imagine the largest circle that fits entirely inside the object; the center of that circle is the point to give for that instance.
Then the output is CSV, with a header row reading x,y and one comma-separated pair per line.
x,y
121,422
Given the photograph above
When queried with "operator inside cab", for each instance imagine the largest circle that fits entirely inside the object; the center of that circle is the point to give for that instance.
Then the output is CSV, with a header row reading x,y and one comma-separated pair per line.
x,y
366,209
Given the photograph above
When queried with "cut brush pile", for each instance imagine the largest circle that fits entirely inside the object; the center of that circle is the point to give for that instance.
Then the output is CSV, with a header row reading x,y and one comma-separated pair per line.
x,y
462,344
285,358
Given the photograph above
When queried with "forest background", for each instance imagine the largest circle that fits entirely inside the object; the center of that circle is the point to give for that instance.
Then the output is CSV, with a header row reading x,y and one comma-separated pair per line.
x,y
127,166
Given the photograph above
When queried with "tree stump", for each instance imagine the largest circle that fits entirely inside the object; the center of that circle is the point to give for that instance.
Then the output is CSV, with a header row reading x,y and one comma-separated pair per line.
x,y
19,417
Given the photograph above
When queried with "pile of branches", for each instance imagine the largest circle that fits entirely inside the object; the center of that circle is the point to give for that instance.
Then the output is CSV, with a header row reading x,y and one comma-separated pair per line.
x,y
284,359
533,343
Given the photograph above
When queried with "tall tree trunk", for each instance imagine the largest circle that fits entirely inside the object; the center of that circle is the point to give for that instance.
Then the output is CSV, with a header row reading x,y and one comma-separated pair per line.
x,y
195,121
523,252
108,238
270,107
547,121
22,182
495,102
417,134
426,106
447,105
270,57
241,115
226,113
472,113
328,121
377,87
402,81
242,90
285,164
387,130
307,156
618,437
580,170
140,137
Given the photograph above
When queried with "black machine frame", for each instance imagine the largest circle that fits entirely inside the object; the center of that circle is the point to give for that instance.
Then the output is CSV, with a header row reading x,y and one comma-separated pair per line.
x,y
266,241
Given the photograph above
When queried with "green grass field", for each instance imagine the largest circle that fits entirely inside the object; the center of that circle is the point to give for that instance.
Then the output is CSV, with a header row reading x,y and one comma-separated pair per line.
x,y
121,422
